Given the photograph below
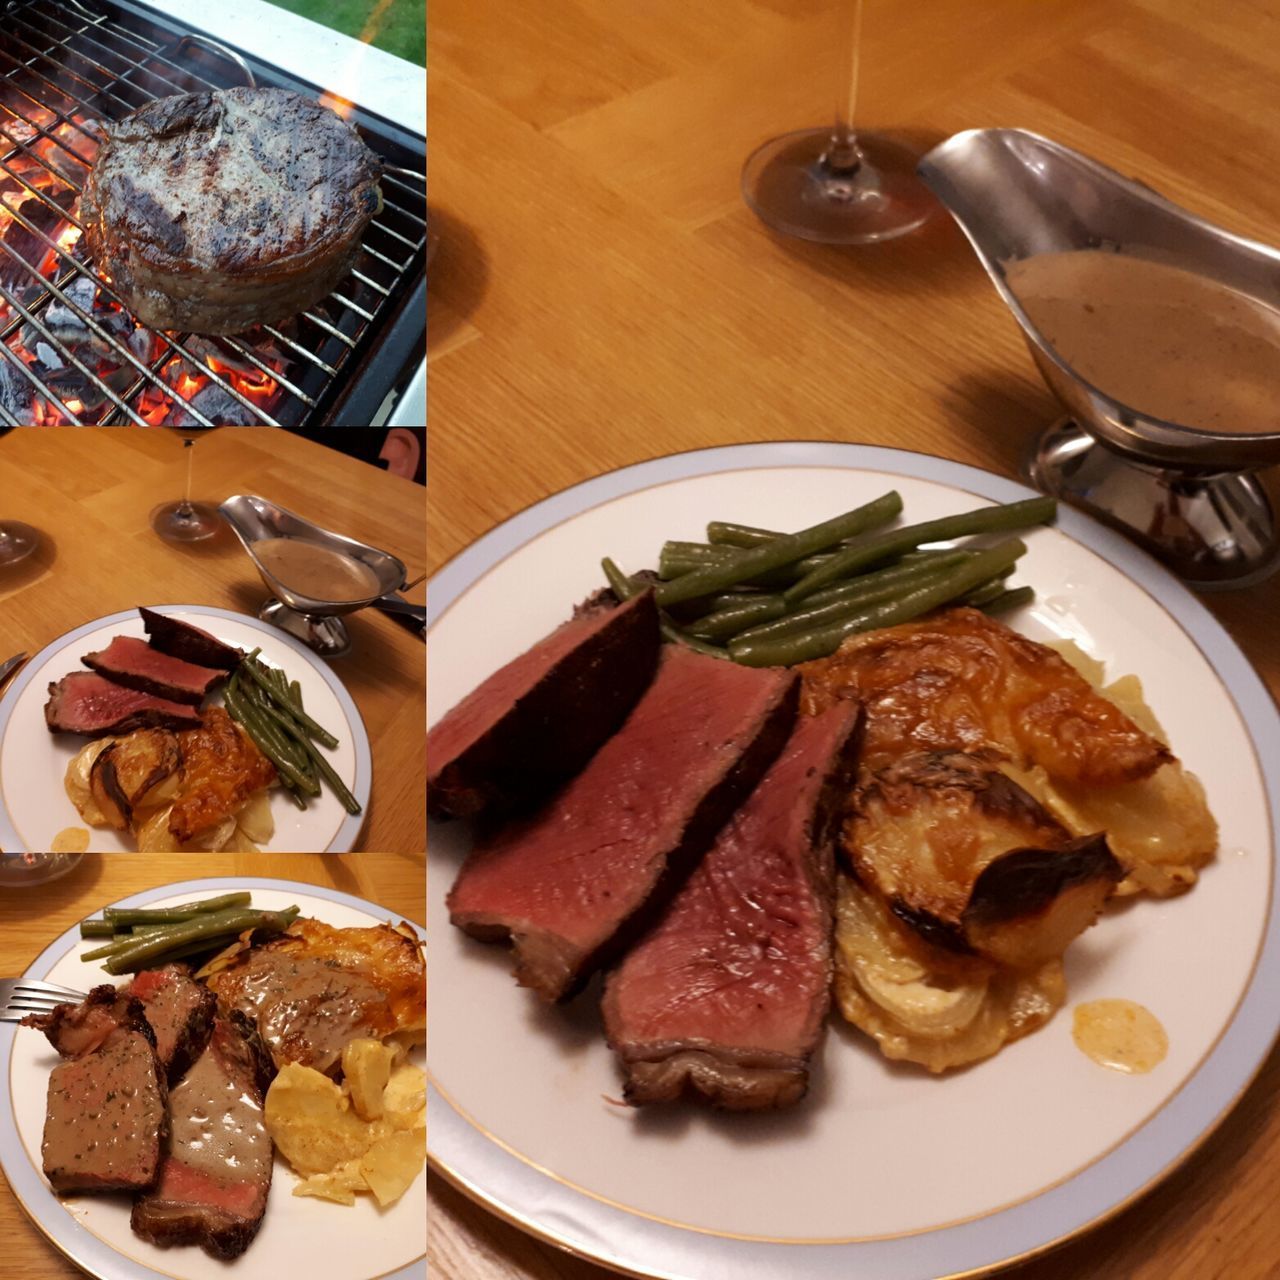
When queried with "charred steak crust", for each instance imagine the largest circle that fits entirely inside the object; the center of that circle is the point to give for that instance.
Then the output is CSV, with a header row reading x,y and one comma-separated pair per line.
x,y
137,665
213,212
538,720
181,640
180,1012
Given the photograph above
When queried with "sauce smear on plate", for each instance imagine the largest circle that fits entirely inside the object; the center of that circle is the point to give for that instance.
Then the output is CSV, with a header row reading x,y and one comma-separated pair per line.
x,y
1121,1035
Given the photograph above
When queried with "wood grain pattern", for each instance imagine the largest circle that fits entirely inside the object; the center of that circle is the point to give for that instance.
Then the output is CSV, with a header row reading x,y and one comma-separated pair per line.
x,y
31,918
90,491
602,296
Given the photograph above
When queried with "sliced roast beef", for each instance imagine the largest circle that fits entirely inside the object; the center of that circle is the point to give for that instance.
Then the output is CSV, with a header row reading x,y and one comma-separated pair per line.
x,y
180,1011
572,884
87,703
181,640
106,1123
535,722
725,998
214,1182
136,665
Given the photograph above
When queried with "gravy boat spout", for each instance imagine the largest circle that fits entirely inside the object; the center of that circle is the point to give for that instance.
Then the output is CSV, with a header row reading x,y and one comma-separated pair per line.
x,y
1015,195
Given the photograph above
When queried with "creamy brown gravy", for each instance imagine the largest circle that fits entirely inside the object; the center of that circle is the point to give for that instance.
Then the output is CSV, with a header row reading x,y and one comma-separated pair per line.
x,y
308,1009
1162,340
217,1124
1120,1034
316,571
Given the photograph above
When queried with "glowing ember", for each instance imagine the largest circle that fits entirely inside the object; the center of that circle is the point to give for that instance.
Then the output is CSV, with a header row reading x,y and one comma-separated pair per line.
x,y
67,239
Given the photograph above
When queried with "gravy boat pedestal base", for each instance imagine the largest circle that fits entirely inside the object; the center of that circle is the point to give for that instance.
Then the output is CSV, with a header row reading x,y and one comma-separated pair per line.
x,y
327,636
1215,531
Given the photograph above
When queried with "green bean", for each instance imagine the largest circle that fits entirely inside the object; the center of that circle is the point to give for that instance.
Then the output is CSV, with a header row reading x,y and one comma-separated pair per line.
x,y
1014,598
732,618
268,740
747,565
785,651
723,533
986,593
97,929
135,956
175,915
1014,515
624,588
347,800
295,691
319,732
899,571
813,617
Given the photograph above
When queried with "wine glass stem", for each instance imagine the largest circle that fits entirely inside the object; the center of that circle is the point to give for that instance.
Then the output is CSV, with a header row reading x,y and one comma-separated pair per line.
x,y
843,156
185,509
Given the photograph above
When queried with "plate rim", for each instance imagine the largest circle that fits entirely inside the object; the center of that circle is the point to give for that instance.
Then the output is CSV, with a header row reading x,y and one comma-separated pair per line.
x,y
17,1169
348,832
586,1227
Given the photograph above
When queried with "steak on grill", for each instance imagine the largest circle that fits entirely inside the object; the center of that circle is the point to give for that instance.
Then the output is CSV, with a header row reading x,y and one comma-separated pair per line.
x,y
535,722
180,1011
181,640
571,884
136,665
106,1122
725,998
214,1182
87,703
213,212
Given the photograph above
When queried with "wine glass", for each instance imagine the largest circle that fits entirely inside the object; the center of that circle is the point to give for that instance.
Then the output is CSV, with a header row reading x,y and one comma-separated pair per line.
x,y
17,542
18,870
186,521
835,185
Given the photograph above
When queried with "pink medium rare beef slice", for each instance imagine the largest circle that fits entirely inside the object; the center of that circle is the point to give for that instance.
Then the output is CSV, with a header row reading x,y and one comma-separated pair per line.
x,y
725,998
571,884
213,1184
180,1011
136,665
89,704
535,722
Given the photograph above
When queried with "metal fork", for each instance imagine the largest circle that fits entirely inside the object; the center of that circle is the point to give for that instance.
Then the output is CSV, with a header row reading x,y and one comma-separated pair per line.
x,y
21,996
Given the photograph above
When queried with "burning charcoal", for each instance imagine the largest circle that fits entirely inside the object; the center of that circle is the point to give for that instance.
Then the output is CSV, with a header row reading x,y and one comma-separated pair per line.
x,y
202,348
216,405
69,385
15,132
45,214
142,343
15,393
66,326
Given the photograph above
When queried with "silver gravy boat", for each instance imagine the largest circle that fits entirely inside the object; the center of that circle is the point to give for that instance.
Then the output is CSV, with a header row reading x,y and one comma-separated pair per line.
x,y
1189,496
315,622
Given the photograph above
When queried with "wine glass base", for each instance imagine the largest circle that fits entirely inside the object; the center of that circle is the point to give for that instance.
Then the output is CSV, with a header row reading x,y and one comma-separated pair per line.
x,y
186,521
788,187
18,870
17,542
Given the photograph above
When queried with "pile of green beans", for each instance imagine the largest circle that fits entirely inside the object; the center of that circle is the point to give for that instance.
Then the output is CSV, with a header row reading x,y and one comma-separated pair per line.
x,y
764,598
143,938
269,709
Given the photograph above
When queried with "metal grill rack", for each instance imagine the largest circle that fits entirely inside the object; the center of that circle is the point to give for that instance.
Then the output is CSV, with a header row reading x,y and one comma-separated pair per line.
x,y
66,66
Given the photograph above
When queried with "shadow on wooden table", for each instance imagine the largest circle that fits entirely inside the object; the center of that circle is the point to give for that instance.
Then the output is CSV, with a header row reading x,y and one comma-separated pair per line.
x,y
459,276
38,900
998,412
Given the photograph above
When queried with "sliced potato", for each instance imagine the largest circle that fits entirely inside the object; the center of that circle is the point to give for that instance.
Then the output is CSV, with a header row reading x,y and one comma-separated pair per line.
x,y
76,781
392,1163
339,1185
311,1121
404,1100
366,1068
154,836
255,820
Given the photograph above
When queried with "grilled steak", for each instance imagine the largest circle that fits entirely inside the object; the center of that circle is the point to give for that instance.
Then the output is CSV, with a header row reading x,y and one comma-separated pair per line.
x,y
106,1122
136,665
725,998
182,640
180,1012
214,1182
571,884
536,722
86,703
213,212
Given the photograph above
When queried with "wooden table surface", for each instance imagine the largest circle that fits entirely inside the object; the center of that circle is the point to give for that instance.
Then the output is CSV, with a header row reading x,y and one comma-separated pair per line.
x,y
31,918
602,296
90,491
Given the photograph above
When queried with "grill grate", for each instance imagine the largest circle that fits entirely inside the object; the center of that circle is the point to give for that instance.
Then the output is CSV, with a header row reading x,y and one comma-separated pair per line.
x,y
70,352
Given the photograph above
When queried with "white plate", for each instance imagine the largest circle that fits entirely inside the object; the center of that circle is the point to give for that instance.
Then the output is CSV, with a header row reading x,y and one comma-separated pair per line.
x,y
883,1172
299,1235
33,803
